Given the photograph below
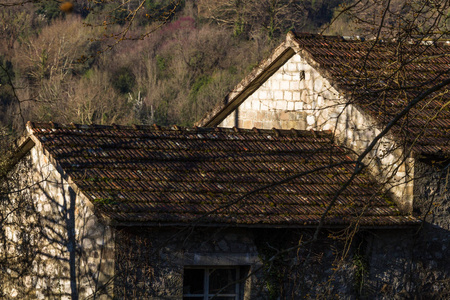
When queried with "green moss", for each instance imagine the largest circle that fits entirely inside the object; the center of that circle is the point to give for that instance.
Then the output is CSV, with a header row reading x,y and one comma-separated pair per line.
x,y
361,271
104,201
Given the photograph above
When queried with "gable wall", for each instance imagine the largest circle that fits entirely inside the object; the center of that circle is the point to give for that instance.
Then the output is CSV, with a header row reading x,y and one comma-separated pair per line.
x,y
70,254
298,96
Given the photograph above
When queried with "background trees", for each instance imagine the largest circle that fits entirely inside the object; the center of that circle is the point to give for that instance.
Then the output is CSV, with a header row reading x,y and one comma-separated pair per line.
x,y
70,68
73,66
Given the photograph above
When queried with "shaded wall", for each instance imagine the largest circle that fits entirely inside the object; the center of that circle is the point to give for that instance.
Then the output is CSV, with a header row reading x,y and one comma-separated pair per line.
x,y
54,245
369,264
150,262
414,264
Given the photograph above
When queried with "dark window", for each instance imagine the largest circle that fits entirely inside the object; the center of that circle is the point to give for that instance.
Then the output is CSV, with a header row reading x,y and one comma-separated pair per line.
x,y
211,283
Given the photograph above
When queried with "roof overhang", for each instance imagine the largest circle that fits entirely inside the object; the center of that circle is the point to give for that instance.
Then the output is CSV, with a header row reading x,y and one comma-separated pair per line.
x,y
113,223
250,83
20,149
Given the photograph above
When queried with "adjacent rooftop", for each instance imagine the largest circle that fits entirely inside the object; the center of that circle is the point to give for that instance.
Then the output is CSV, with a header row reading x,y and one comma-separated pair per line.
x,y
381,77
214,176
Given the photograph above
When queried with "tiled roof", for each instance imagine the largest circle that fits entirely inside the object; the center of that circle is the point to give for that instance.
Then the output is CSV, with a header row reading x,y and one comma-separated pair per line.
x,y
175,176
383,78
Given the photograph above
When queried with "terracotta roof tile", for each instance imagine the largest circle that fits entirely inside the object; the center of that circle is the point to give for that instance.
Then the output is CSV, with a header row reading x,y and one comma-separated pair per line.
x,y
381,78
175,176
384,78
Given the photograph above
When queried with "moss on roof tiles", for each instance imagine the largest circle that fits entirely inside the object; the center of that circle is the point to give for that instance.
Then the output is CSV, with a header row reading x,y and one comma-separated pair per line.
x,y
175,181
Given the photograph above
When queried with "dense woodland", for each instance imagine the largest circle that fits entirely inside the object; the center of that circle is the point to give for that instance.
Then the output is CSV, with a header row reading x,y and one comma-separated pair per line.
x,y
166,63
157,61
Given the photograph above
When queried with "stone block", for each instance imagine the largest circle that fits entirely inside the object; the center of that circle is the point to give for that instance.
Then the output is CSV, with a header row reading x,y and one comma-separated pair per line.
x,y
267,124
281,105
292,66
275,124
278,95
228,121
287,76
320,101
256,104
292,124
284,116
262,94
296,58
284,85
307,75
290,105
298,106
310,84
265,105
327,126
47,207
300,124
294,85
261,115
302,84
251,114
275,84
287,96
247,103
248,124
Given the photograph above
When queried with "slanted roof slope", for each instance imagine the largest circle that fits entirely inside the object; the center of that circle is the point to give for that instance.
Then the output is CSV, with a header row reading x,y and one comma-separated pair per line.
x,y
153,175
381,77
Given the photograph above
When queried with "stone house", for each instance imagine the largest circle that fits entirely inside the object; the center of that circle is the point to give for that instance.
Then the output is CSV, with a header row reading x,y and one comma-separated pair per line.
x,y
171,213
356,88
144,212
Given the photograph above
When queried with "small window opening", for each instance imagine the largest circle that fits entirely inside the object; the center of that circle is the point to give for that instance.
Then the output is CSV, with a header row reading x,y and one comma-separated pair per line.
x,y
207,283
302,75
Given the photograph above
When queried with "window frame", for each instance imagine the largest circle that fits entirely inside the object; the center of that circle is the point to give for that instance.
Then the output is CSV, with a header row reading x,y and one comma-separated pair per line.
x,y
207,270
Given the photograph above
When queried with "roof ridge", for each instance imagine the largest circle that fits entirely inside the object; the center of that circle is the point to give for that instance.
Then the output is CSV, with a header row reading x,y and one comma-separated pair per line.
x,y
174,128
440,42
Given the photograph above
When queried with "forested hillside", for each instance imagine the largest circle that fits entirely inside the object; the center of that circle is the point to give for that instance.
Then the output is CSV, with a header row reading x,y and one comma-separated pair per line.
x,y
157,61
67,63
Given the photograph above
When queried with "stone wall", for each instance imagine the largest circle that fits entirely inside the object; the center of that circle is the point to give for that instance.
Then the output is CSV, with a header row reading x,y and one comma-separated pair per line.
x,y
298,96
397,263
432,242
54,244
411,264
150,262
414,263
432,191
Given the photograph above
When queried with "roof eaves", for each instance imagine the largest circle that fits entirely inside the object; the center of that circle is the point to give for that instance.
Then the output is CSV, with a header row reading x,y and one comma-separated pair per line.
x,y
54,162
248,85
115,223
23,146
258,76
